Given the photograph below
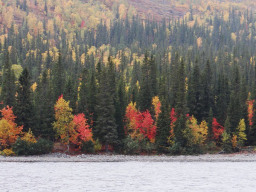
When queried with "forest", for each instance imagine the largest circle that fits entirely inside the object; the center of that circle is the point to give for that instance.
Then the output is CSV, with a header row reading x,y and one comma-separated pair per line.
x,y
130,85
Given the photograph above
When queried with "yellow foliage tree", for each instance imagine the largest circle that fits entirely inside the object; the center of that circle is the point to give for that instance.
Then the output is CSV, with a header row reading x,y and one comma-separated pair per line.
x,y
203,131
64,125
241,136
196,134
29,137
157,106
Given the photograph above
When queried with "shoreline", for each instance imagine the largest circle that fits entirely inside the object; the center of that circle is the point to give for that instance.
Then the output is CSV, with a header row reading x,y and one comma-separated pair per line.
x,y
58,157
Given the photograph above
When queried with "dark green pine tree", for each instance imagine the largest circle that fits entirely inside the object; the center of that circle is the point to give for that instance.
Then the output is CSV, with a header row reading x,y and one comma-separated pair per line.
x,y
222,99
227,125
8,82
153,75
106,128
83,94
92,98
145,93
58,79
136,74
244,104
234,110
70,93
207,98
252,131
180,107
44,108
163,128
209,121
195,94
24,109
120,105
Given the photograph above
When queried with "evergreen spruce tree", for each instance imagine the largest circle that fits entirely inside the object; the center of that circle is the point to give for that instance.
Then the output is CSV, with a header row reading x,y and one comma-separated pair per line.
x,y
44,108
209,120
180,107
153,75
120,105
92,98
195,94
207,98
70,93
8,82
145,93
58,79
163,128
83,94
234,110
222,99
252,131
106,128
24,109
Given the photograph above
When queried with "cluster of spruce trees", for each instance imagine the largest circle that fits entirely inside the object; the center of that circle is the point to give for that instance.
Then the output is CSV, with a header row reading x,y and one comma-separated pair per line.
x,y
213,79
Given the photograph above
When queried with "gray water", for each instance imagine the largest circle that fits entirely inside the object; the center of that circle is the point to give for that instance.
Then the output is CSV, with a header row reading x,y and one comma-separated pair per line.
x,y
128,176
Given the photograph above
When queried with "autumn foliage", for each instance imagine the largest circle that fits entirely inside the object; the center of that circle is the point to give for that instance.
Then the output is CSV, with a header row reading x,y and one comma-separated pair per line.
x,y
84,133
173,118
198,132
139,125
64,125
157,106
9,131
217,129
250,111
69,128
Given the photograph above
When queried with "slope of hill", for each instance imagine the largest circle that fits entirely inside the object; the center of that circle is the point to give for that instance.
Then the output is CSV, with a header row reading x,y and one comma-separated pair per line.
x,y
72,14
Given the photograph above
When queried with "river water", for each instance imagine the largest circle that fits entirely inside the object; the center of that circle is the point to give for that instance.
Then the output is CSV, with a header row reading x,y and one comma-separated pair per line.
x,y
128,176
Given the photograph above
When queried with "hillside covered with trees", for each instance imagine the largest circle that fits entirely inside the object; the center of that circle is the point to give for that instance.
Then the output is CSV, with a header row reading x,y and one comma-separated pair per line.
x,y
104,75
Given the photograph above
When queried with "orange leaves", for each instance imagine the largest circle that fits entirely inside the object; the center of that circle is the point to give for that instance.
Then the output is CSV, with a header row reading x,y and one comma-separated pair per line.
x,y
82,128
250,111
147,127
7,114
139,125
9,131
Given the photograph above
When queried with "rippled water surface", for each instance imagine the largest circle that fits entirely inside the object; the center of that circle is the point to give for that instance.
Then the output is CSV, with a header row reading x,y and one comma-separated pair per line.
x,y
128,176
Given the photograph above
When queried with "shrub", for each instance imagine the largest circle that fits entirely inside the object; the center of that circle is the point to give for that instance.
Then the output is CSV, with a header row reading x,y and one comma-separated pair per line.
x,y
131,146
194,150
97,146
227,143
87,147
21,147
176,149
42,146
8,152
147,146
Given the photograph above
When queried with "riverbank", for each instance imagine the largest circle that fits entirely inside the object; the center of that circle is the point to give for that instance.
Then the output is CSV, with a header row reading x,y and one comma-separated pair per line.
x,y
58,157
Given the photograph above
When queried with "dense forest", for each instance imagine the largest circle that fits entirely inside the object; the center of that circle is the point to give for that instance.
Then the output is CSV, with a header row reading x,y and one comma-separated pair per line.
x,y
132,85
